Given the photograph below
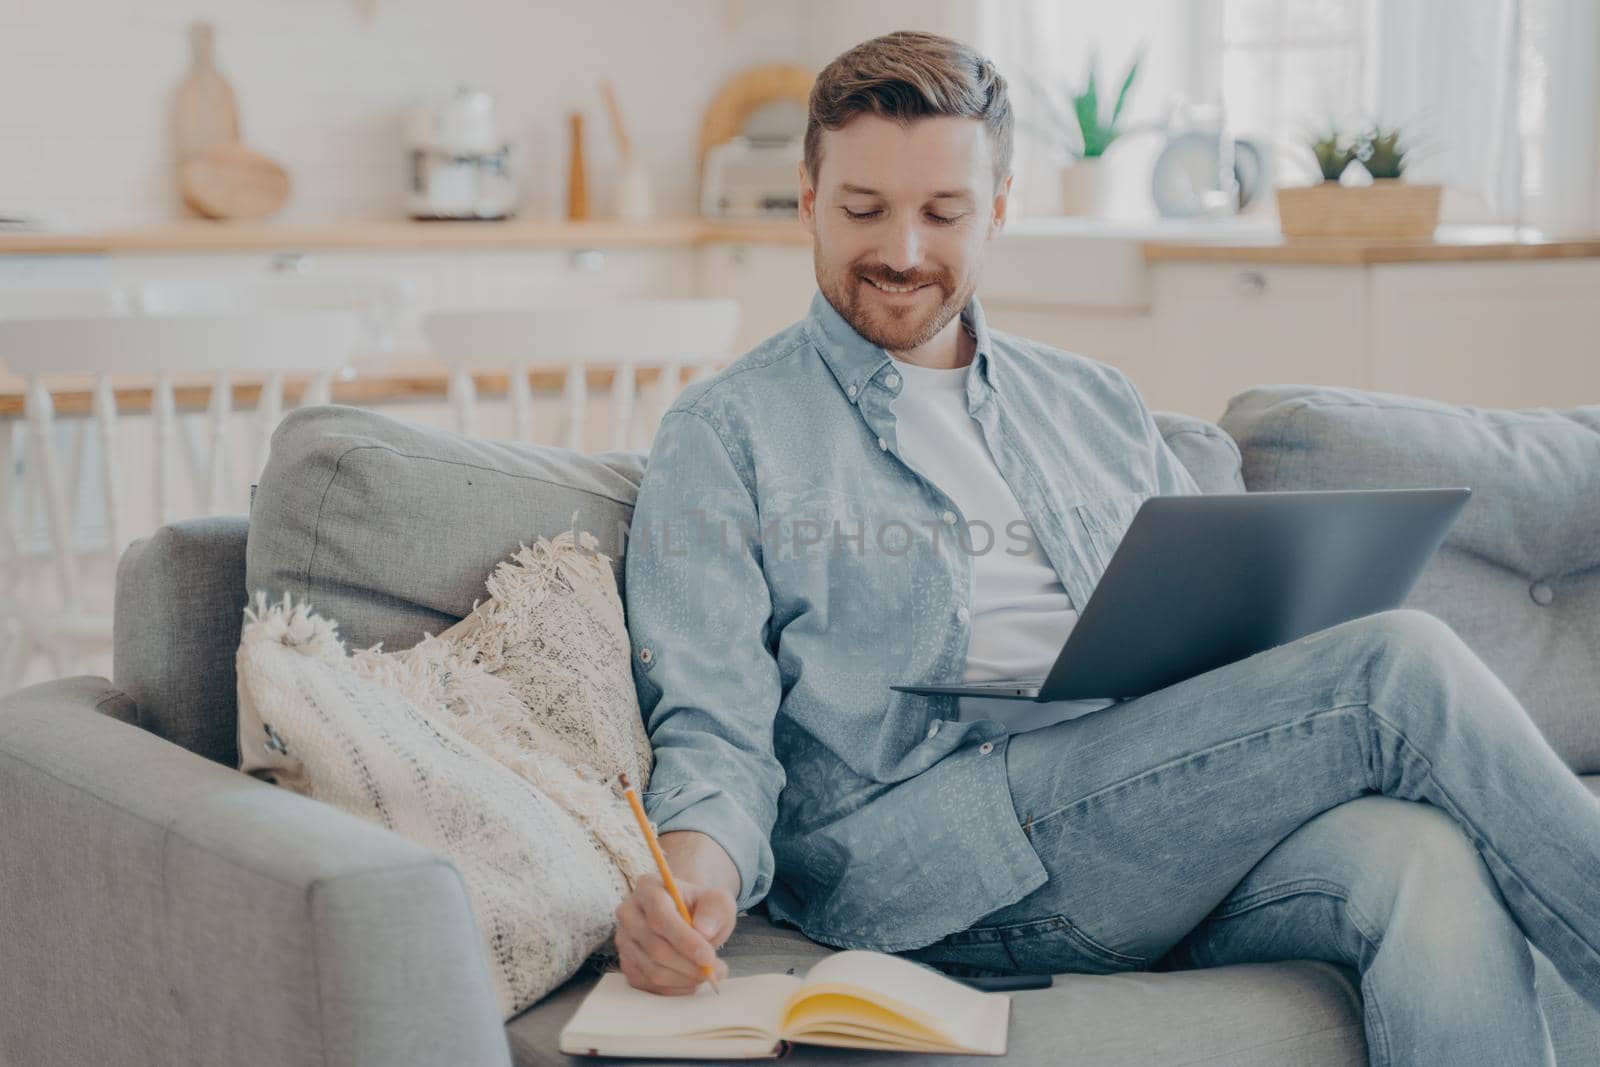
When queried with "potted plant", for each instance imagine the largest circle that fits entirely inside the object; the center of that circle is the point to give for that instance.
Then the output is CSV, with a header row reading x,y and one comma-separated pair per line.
x,y
1087,134
1387,208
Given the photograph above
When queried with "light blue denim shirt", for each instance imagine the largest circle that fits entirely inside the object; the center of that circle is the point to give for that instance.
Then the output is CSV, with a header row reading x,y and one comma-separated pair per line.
x,y
785,566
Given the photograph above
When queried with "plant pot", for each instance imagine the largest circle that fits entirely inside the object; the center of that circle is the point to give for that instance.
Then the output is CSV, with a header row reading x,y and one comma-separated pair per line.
x,y
1388,208
1086,188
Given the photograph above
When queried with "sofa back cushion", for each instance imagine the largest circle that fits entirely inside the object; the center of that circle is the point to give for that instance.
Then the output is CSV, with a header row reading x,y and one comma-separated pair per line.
x,y
1205,451
392,528
1518,577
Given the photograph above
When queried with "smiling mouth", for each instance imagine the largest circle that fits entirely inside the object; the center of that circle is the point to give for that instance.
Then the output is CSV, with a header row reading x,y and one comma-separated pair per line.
x,y
883,288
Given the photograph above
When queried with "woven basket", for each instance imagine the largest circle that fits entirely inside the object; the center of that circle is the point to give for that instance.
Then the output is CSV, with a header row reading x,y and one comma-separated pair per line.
x,y
1386,208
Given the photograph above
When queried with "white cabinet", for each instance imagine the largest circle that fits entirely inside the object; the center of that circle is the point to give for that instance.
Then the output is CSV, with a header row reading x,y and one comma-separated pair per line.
x,y
1219,329
1501,334
772,283
445,279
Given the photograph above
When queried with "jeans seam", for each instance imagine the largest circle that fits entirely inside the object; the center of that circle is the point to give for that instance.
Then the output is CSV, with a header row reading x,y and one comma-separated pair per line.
x,y
1479,841
1190,756
1359,921
1377,1030
1300,887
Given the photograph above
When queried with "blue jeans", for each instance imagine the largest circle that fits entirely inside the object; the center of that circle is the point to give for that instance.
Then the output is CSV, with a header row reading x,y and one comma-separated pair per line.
x,y
1231,818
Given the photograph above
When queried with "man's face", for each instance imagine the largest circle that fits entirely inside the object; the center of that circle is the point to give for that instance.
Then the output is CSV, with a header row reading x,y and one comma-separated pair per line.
x,y
904,207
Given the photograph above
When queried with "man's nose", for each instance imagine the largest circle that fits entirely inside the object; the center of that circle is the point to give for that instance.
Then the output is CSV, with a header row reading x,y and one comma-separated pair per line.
x,y
902,249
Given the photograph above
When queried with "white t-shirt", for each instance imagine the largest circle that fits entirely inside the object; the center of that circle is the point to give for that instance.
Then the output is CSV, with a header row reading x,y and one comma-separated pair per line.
x,y
1020,612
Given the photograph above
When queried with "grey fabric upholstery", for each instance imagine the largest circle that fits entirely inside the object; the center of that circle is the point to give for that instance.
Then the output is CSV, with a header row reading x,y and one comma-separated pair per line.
x,y
391,528
1205,451
156,908
1519,575
1250,1016
178,611
1302,1013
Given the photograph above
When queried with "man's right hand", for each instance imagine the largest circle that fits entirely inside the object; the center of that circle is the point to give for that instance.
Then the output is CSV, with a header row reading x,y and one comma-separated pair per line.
x,y
659,952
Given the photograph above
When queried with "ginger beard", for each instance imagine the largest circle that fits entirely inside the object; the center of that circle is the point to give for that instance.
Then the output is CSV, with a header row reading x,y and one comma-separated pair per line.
x,y
898,322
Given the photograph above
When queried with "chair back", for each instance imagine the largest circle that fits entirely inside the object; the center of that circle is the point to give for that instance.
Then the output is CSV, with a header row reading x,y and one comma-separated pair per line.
x,y
70,510
618,343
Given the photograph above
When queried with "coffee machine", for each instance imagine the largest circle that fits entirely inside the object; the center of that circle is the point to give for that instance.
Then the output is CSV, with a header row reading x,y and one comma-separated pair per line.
x,y
460,165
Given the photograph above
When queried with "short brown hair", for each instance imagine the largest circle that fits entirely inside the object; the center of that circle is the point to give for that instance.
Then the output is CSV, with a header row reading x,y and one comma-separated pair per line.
x,y
909,75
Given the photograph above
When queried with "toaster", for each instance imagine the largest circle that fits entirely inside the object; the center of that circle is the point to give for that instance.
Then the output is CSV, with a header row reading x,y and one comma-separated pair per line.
x,y
752,179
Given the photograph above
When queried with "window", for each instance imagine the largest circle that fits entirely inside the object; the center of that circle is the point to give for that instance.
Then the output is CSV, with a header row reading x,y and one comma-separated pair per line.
x,y
1285,68
1534,94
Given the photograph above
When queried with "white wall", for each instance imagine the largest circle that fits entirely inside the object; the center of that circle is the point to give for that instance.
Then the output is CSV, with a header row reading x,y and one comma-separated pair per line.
x,y
86,87
86,91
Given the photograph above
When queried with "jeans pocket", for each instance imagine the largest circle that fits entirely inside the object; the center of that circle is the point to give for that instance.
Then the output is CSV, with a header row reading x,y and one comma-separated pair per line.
x,y
1040,946
1055,945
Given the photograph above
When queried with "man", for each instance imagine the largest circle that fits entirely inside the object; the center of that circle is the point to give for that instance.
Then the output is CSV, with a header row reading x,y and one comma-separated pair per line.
x,y
811,529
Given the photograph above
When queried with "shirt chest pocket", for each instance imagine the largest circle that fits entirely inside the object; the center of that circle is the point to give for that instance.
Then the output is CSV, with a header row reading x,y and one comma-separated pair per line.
x,y
1106,519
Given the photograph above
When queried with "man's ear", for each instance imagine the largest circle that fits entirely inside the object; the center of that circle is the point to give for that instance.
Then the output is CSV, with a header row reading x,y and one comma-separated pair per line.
x,y
1002,201
808,200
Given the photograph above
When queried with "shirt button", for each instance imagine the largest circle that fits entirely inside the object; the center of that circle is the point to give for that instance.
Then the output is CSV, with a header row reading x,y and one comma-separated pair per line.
x,y
961,613
949,518
883,444
851,392
1542,594
892,380
933,727
986,748
645,655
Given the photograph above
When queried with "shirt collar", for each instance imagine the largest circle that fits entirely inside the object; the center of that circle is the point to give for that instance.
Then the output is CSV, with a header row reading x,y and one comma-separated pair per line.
x,y
857,362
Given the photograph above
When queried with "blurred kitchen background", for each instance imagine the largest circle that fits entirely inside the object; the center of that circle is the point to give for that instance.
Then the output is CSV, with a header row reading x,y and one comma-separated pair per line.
x,y
538,221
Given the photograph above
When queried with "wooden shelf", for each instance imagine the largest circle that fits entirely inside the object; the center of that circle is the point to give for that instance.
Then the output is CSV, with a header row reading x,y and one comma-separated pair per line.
x,y
196,236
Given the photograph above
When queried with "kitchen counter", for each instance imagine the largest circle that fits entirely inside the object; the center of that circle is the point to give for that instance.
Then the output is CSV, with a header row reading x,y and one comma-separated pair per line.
x,y
1158,241
1452,245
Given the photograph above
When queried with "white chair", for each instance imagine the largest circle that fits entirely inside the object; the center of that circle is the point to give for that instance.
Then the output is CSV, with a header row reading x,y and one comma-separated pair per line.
x,y
379,303
163,353
630,335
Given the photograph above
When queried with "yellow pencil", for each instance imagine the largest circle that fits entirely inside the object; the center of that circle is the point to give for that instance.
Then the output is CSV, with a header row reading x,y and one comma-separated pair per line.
x,y
661,863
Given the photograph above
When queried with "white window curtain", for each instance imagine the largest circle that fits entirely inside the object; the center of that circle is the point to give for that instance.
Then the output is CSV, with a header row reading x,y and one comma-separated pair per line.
x,y
1447,73
1566,201
1022,38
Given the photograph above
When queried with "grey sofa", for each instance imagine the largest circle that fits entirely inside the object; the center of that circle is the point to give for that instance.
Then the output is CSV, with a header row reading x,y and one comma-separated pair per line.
x,y
159,907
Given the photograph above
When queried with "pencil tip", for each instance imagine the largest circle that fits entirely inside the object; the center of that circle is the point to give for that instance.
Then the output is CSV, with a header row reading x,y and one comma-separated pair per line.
x,y
622,776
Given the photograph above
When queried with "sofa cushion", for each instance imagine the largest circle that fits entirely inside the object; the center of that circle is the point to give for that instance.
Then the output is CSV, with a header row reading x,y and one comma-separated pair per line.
x,y
1518,576
1208,453
428,743
1255,1014
391,527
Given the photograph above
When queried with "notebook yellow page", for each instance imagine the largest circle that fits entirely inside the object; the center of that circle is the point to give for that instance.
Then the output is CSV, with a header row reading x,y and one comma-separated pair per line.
x,y
850,999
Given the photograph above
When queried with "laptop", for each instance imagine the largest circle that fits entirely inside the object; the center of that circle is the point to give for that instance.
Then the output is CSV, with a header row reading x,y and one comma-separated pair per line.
x,y
1199,582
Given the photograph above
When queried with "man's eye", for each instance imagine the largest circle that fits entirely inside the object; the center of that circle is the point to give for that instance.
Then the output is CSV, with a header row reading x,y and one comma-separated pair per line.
x,y
862,214
942,220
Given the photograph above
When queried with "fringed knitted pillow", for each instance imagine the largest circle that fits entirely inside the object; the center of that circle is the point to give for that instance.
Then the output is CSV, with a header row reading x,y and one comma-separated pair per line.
x,y
495,743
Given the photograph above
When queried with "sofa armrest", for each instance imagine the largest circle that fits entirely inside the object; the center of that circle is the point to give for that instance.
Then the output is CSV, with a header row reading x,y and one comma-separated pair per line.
x,y
156,908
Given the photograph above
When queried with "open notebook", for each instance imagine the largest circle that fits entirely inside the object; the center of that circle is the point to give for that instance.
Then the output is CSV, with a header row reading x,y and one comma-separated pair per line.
x,y
850,999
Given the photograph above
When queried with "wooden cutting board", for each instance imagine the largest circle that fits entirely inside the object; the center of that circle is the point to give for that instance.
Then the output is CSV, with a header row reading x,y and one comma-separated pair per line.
x,y
228,181
204,110
217,175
